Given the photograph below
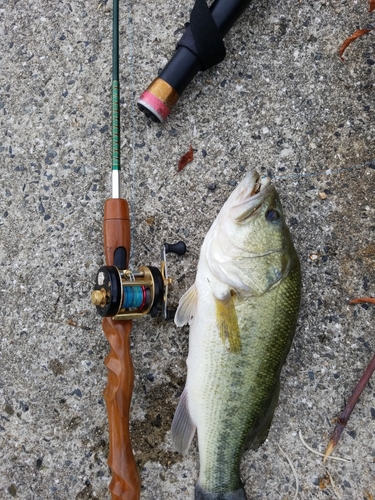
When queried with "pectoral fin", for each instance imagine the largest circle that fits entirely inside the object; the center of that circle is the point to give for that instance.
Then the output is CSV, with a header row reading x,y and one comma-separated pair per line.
x,y
183,428
186,307
227,322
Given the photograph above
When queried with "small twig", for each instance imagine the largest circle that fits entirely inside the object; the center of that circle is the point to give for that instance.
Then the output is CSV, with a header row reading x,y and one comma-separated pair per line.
x,y
351,39
370,300
71,322
347,411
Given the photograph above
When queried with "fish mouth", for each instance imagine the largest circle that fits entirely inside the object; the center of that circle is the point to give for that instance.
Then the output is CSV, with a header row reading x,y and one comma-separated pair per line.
x,y
251,196
260,183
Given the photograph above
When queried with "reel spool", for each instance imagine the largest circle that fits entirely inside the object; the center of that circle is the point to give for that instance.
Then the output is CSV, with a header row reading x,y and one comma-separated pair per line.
x,y
125,295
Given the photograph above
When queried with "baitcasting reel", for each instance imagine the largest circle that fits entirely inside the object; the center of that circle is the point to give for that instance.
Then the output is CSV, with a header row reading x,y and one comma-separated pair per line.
x,y
125,295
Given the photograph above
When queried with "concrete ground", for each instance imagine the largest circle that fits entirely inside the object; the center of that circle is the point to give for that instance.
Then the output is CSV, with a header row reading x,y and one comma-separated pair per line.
x,y
281,102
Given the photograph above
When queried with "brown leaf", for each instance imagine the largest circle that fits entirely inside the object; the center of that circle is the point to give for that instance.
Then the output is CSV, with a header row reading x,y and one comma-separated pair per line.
x,y
185,159
351,39
150,220
371,5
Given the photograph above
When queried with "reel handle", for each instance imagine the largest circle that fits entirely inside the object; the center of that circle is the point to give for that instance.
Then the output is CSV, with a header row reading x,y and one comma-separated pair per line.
x,y
178,248
125,483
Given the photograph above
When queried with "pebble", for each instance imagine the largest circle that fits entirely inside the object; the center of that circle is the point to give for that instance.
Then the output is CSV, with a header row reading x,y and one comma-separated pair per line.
x,y
173,132
9,409
352,434
12,490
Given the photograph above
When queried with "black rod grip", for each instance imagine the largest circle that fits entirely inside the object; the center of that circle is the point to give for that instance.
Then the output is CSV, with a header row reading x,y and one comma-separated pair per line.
x,y
163,93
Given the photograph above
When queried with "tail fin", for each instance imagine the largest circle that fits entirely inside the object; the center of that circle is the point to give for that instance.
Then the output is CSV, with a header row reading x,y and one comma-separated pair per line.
x,y
201,494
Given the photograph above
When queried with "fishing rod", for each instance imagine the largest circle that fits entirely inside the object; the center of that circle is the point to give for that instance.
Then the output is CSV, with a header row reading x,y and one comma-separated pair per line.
x,y
120,296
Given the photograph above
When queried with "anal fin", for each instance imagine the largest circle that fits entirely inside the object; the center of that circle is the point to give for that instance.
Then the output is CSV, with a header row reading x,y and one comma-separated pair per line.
x,y
183,428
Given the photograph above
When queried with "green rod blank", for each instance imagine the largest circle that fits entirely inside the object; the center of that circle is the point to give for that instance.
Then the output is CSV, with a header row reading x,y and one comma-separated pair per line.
x,y
115,90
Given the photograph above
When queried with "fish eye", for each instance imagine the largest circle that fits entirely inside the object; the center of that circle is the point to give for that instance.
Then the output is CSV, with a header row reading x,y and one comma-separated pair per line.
x,y
273,216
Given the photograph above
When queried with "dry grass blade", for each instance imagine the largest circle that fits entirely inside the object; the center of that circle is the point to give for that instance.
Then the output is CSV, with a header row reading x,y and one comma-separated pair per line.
x,y
318,453
334,486
293,470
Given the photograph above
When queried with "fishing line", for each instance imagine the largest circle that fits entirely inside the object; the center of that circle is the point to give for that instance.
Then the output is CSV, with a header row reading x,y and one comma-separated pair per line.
x,y
323,172
133,130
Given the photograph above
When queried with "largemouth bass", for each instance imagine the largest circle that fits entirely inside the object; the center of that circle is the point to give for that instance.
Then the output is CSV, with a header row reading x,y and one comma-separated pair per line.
x,y
242,311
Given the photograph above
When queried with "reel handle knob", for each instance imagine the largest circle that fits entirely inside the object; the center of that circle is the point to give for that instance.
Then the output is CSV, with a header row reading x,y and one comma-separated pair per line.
x,y
178,248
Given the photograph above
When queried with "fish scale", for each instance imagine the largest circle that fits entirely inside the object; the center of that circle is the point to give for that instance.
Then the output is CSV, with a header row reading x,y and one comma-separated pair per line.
x,y
245,380
242,311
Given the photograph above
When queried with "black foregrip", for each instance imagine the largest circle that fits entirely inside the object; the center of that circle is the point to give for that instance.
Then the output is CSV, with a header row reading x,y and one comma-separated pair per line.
x,y
200,48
